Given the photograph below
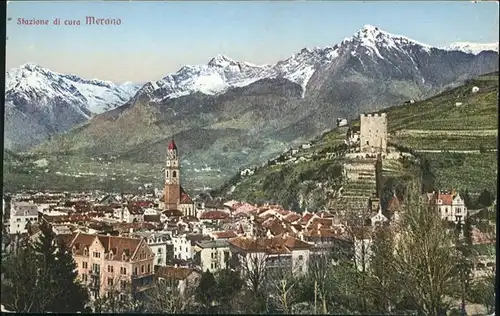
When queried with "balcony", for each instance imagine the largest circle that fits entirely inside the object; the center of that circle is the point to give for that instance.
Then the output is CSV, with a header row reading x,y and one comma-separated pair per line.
x,y
142,275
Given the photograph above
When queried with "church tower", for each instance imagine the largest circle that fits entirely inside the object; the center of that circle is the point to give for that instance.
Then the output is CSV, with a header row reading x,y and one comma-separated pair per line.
x,y
172,190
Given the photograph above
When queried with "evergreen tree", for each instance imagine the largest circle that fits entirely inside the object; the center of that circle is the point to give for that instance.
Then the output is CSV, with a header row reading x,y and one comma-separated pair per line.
x,y
229,284
75,295
57,273
485,199
206,291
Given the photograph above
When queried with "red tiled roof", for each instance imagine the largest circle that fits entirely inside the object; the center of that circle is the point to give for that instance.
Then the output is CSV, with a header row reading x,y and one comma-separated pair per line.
x,y
224,235
305,218
446,199
214,215
393,204
292,217
275,245
142,203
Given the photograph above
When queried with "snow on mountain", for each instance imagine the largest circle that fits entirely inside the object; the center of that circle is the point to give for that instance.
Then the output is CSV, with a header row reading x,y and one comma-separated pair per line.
x,y
33,84
471,48
374,39
222,72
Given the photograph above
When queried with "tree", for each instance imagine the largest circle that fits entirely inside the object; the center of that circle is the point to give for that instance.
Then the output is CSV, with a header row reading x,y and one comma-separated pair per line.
x,y
165,297
22,290
57,273
75,296
382,288
483,292
206,291
485,199
229,285
425,260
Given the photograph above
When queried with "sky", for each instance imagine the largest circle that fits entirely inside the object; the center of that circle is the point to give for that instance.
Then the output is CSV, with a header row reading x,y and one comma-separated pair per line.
x,y
156,38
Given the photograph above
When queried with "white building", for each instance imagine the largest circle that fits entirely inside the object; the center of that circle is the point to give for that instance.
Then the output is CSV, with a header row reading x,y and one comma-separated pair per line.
x,y
129,214
341,122
247,172
451,207
378,218
22,213
184,245
159,242
212,255
272,253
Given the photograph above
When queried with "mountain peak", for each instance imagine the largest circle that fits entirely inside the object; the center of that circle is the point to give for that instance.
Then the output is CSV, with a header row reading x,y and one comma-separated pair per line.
x,y
372,36
31,66
221,61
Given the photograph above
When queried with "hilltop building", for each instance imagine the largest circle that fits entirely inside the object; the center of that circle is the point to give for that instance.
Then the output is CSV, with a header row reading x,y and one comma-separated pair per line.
x,y
175,199
373,133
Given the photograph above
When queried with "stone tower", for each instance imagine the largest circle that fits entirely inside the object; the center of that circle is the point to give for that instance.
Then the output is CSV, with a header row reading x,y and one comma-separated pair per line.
x,y
172,190
373,133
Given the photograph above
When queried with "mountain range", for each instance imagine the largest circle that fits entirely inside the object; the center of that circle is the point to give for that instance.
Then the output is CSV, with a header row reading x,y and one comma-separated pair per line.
x,y
228,113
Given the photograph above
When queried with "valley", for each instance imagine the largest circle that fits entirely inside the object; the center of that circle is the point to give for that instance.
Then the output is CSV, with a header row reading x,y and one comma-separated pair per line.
x,y
253,114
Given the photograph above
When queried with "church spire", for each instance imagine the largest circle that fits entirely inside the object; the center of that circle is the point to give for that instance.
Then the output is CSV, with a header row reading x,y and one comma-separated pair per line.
x,y
172,145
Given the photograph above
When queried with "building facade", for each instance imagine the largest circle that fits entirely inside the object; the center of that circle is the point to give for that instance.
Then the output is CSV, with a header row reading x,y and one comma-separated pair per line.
x,y
175,198
373,133
22,213
111,263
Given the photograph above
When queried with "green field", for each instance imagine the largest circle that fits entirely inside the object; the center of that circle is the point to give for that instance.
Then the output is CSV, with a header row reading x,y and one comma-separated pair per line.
x,y
430,142
474,172
478,110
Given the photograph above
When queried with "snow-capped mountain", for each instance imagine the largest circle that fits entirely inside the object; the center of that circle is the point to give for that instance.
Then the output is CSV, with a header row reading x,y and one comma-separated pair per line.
x,y
39,86
366,71
471,48
222,72
53,103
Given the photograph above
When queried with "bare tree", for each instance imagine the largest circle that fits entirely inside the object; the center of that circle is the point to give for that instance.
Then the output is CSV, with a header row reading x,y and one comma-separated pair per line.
x,y
254,270
424,258
117,297
166,297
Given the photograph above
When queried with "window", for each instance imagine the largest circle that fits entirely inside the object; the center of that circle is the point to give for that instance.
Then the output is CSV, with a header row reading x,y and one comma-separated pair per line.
x,y
367,142
97,254
212,255
85,265
149,268
159,251
84,278
174,174
123,297
96,267
110,269
212,266
167,173
18,219
110,281
160,260
301,257
123,284
186,249
123,270
135,270
142,269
